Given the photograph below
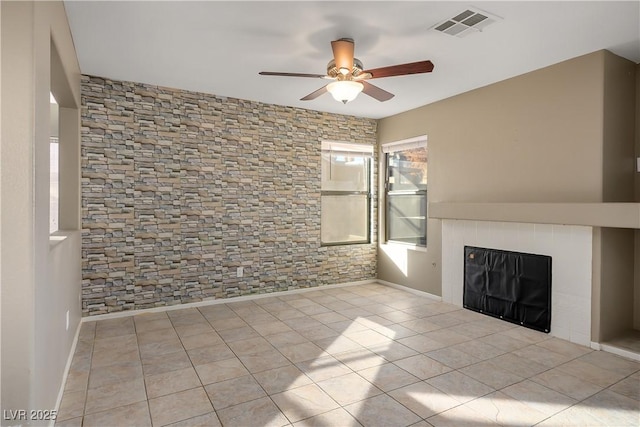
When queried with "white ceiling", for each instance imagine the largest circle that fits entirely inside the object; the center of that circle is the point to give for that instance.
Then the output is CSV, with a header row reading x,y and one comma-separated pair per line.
x,y
219,47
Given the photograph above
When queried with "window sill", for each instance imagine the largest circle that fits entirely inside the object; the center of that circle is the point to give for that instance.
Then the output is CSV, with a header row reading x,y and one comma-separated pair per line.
x,y
407,246
328,245
56,238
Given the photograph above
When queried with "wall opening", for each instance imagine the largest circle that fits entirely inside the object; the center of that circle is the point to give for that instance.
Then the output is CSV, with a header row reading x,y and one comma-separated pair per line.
x,y
54,166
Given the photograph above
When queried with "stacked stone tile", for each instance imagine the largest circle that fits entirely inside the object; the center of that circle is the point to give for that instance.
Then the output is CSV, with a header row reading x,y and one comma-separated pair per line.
x,y
181,188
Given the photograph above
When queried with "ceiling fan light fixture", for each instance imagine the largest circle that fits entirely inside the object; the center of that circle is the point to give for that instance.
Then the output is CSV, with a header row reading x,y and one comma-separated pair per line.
x,y
345,90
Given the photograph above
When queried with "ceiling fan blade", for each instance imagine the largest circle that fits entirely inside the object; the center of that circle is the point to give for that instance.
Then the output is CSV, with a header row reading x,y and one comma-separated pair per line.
x,y
315,94
401,70
375,92
271,73
343,53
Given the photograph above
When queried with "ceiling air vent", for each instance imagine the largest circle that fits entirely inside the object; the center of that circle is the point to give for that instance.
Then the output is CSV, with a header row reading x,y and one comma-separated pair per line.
x,y
471,20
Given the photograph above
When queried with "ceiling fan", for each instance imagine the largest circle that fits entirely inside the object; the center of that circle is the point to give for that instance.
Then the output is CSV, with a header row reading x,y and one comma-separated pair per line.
x,y
349,76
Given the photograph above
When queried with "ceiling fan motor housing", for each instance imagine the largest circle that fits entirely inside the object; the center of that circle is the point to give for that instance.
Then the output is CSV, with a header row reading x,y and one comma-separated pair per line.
x,y
334,72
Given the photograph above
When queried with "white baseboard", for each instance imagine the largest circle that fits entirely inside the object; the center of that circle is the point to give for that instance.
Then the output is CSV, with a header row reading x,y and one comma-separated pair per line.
x,y
410,290
72,351
620,352
221,301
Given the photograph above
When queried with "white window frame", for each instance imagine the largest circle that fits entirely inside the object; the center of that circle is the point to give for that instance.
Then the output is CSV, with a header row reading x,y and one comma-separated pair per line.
x,y
358,149
390,148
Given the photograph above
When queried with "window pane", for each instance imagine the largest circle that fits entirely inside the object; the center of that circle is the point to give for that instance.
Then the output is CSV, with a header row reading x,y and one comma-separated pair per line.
x,y
344,219
408,169
406,218
344,171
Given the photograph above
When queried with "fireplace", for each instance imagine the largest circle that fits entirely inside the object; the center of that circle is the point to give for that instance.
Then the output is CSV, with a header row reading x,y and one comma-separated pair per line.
x,y
569,246
512,286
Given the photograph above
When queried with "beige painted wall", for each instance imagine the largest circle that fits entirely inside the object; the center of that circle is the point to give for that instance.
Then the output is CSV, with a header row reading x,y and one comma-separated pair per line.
x,y
40,283
16,170
532,138
619,129
637,129
636,283
636,309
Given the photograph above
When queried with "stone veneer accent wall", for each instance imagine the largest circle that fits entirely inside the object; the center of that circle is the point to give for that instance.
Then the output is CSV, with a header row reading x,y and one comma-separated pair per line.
x,y
181,188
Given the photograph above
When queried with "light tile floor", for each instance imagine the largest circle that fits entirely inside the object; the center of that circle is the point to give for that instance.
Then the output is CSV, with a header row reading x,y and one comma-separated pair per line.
x,y
362,355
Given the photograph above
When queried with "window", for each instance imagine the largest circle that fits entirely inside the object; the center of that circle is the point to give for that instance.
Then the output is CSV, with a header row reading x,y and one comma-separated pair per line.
x,y
346,193
54,169
406,191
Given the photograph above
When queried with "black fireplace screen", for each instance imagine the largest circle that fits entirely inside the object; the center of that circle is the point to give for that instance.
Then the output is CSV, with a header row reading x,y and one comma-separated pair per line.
x,y
513,286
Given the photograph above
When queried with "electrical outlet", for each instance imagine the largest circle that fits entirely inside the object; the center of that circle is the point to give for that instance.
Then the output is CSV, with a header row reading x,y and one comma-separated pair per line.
x,y
240,272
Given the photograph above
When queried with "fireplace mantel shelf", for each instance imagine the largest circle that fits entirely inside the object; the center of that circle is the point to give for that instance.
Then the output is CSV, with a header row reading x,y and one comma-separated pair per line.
x,y
616,215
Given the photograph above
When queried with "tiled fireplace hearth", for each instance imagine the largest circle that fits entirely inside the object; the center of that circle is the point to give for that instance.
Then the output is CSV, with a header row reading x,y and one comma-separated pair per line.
x,y
569,246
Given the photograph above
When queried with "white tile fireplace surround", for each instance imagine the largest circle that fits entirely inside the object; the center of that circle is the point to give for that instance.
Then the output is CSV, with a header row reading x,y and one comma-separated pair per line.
x,y
569,246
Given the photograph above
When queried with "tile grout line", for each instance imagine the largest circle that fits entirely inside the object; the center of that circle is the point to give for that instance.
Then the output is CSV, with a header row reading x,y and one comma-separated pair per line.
x,y
144,377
